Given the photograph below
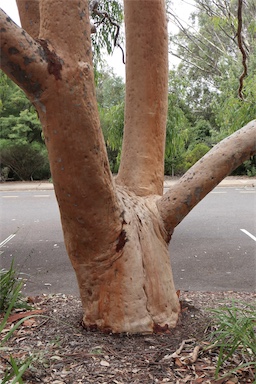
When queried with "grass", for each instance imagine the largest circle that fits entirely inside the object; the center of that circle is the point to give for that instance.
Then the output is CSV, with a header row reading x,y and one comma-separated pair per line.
x,y
10,286
11,298
235,333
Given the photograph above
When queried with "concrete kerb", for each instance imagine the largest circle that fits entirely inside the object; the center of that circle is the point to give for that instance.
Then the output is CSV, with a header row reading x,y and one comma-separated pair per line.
x,y
25,186
229,181
42,185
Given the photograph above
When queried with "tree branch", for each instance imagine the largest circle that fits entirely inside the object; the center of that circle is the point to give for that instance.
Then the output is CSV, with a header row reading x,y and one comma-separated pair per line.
x,y
241,47
22,58
29,16
57,74
141,168
208,172
104,16
79,164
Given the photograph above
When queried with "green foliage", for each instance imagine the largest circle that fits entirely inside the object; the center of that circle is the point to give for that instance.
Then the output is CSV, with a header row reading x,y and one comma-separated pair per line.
x,y
192,156
200,133
176,134
112,123
103,39
110,89
176,128
23,128
208,46
231,112
250,167
23,153
110,96
247,168
12,98
18,370
19,121
235,333
209,71
26,161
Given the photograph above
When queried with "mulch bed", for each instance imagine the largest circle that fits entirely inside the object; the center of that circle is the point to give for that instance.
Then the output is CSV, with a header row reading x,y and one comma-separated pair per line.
x,y
65,353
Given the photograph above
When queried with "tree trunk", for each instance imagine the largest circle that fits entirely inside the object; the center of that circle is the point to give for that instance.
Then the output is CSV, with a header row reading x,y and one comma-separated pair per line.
x,y
115,239
116,232
131,289
146,98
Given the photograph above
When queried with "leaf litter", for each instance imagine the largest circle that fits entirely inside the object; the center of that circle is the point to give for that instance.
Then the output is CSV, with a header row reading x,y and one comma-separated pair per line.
x,y
65,353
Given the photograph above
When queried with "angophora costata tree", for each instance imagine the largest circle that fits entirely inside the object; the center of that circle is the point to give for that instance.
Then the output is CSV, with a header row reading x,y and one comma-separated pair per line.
x,y
116,230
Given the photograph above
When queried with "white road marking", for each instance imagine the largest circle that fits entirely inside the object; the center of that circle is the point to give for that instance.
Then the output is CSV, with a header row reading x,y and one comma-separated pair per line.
x,y
41,196
12,196
6,240
249,191
248,234
8,197
218,192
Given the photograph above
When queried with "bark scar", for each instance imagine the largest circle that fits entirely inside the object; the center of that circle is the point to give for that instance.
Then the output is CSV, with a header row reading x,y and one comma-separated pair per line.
x,y
157,328
54,61
122,239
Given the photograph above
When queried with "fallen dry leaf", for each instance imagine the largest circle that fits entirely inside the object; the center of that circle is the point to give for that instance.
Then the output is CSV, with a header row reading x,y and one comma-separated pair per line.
x,y
104,363
22,315
178,362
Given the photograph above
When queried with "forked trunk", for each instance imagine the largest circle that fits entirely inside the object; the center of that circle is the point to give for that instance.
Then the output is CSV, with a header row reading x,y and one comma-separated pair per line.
x,y
115,239
131,289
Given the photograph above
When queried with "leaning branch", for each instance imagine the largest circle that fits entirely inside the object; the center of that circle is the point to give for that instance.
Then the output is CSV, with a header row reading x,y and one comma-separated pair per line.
x,y
206,174
21,58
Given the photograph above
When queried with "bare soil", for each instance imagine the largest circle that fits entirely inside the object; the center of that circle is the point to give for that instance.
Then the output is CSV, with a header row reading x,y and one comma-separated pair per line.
x,y
65,353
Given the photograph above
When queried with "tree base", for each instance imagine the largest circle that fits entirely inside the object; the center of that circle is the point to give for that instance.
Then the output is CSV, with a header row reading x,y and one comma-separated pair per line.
x,y
130,288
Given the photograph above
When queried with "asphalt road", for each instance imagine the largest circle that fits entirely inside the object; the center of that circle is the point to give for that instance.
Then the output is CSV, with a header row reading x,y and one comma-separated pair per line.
x,y
209,251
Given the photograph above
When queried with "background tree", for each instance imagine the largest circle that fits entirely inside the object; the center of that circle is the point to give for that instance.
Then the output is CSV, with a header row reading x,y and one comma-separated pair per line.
x,y
176,134
23,153
116,231
107,17
211,65
110,96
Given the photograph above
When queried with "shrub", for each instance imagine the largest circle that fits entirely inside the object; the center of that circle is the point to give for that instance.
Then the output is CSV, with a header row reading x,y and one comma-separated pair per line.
x,y
192,156
26,161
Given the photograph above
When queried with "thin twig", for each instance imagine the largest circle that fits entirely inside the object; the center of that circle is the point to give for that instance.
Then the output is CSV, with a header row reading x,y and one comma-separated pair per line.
x,y
240,45
105,16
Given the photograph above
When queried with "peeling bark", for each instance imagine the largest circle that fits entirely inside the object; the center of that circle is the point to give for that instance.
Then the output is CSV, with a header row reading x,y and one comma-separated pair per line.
x,y
54,66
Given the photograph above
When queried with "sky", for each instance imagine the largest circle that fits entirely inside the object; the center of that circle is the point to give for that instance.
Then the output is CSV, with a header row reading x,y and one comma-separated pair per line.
x,y
182,7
